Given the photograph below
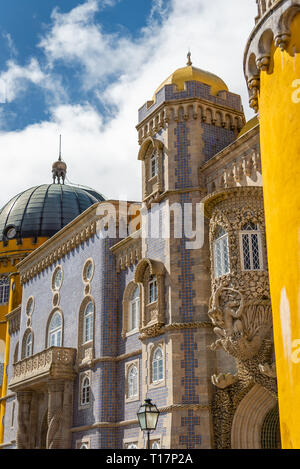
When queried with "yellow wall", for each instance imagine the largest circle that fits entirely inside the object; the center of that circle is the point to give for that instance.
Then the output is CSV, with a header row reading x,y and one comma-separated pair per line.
x,y
279,110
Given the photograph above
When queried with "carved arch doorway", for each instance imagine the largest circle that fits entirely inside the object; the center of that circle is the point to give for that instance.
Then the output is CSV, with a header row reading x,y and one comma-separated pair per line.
x,y
256,421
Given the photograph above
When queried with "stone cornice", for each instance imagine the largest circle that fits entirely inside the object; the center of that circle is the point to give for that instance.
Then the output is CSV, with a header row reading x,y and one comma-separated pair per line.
x,y
173,328
126,242
188,101
13,319
106,359
125,423
67,239
77,231
213,199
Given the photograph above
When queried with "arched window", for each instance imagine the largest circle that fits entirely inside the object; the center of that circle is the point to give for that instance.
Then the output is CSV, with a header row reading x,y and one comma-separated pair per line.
x,y
157,366
85,391
152,292
132,446
4,290
55,330
153,165
252,258
88,323
221,253
132,381
134,310
155,445
28,345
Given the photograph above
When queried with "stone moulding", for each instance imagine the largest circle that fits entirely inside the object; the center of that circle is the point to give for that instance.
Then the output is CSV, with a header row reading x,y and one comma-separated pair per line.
x,y
273,27
213,199
13,319
66,240
175,327
127,423
54,363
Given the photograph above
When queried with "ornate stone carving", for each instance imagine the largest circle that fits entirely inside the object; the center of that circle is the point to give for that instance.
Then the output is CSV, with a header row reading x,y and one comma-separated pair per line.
x,y
270,29
56,362
152,313
240,307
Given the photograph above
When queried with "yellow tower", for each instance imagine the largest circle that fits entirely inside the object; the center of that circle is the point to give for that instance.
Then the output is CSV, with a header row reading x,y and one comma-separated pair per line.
x,y
272,70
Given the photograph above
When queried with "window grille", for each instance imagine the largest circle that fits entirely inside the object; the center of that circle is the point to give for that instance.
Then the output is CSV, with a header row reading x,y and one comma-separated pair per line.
x,y
221,253
4,291
270,432
251,247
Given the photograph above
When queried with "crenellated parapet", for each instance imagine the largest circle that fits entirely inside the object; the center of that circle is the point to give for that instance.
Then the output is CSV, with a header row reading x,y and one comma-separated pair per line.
x,y
195,102
272,30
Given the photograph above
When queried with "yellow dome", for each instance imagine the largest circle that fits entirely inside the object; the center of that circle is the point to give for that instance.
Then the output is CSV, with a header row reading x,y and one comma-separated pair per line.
x,y
190,73
248,126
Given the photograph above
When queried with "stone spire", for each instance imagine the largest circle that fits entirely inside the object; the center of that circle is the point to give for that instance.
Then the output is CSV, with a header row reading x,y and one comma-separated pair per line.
x,y
59,168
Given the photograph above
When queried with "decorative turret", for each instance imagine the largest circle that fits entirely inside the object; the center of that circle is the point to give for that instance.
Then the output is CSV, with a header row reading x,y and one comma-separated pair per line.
x,y
59,168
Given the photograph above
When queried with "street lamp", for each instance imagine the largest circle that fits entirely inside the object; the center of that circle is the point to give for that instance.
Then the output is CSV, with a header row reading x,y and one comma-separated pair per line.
x,y
148,416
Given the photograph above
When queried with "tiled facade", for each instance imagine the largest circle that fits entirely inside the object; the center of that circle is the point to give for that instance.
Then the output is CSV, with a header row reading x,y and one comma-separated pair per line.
x,y
197,147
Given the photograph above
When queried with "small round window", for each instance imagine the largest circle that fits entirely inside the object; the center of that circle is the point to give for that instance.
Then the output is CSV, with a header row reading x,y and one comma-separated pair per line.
x,y
11,232
30,306
57,278
88,270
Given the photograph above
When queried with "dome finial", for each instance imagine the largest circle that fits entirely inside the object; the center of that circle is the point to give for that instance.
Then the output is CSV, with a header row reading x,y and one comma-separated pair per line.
x,y
59,168
189,62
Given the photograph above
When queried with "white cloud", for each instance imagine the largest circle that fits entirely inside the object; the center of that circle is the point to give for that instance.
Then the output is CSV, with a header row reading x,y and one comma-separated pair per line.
x,y
103,153
15,79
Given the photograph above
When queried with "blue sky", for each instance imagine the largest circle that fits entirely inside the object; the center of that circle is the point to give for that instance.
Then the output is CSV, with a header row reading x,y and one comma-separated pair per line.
x,y
83,68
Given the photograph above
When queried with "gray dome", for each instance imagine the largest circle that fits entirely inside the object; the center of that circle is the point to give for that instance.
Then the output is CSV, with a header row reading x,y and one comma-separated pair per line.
x,y
44,210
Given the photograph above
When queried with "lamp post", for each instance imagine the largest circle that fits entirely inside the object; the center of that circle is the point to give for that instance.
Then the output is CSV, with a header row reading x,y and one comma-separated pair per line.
x,y
148,416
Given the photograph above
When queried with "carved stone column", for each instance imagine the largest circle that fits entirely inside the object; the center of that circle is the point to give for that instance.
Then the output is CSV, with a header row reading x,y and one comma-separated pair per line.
x,y
23,433
55,414
60,413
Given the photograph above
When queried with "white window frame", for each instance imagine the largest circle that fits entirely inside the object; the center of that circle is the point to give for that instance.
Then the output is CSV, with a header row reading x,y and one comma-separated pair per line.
x,y
4,291
134,311
132,384
157,366
132,445
55,332
88,323
85,391
152,289
249,234
221,243
155,444
153,165
28,348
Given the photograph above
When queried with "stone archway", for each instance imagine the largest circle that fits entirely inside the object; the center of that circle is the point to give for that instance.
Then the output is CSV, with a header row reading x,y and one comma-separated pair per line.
x,y
249,418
